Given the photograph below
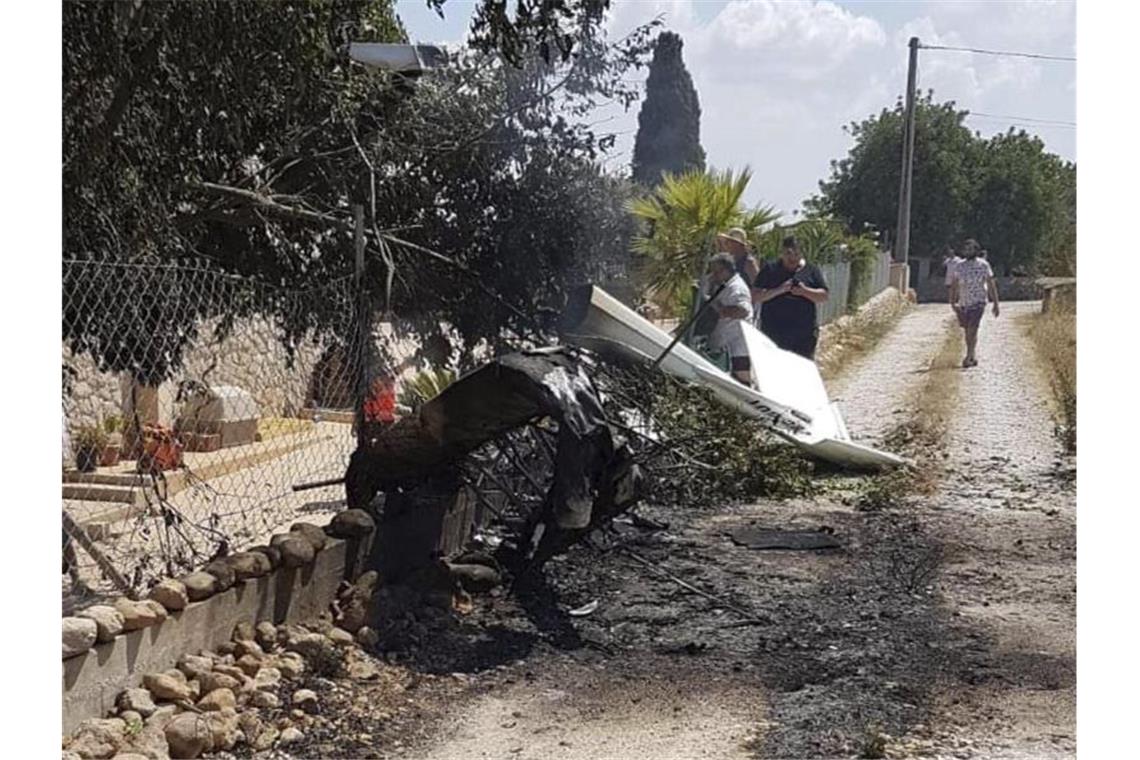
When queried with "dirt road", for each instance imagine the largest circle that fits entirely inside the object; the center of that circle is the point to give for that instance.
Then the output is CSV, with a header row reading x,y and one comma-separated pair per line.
x,y
941,628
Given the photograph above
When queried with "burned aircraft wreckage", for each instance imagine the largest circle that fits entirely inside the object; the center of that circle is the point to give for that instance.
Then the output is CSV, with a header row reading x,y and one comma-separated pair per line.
x,y
530,427
593,473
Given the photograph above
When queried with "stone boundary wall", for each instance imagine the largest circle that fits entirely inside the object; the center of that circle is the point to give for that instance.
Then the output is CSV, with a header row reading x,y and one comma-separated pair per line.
x,y
250,357
933,289
838,339
107,649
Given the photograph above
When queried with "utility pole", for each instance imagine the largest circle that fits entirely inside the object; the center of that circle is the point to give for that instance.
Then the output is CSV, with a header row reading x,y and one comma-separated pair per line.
x,y
902,236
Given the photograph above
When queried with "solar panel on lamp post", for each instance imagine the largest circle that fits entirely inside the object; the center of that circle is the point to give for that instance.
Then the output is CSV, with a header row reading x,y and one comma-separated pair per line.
x,y
409,60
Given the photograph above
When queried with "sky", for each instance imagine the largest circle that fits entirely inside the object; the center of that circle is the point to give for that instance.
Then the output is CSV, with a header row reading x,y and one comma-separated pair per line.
x,y
778,81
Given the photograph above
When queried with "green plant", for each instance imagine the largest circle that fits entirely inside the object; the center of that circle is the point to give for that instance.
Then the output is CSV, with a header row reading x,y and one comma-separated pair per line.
x,y
680,221
425,386
182,120
90,438
874,744
326,662
706,454
1006,191
884,492
112,424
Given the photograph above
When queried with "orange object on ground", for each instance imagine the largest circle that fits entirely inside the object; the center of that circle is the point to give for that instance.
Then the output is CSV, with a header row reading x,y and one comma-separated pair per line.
x,y
380,406
161,449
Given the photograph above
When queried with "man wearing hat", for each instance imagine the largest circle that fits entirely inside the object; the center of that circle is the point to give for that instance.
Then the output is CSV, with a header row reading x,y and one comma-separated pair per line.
x,y
735,242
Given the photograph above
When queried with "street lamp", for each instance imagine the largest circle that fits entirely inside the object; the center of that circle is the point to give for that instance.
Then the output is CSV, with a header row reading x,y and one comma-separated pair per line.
x,y
407,62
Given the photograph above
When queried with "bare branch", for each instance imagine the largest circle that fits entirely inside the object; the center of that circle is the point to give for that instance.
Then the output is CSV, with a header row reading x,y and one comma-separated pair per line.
x,y
270,206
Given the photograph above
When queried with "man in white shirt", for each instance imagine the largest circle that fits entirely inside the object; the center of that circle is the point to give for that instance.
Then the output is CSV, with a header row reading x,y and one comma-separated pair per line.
x,y
950,260
733,307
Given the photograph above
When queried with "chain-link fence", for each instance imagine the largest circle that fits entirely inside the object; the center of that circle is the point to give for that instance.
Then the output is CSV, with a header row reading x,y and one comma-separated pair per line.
x,y
193,402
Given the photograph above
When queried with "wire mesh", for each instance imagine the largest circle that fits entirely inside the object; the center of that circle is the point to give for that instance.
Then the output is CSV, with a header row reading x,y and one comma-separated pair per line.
x,y
194,401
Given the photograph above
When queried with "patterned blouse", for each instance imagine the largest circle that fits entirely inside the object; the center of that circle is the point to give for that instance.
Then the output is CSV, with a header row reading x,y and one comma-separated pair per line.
x,y
971,276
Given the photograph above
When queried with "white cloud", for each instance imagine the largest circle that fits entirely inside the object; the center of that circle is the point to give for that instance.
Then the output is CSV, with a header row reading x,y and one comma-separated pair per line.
x,y
771,75
822,27
778,81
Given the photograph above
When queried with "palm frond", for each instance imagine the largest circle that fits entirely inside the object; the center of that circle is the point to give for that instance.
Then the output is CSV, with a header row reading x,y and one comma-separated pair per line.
x,y
680,222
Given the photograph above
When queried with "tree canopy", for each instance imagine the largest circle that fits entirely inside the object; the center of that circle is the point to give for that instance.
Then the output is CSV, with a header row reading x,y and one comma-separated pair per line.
x,y
669,124
550,28
1016,199
238,135
162,101
1024,201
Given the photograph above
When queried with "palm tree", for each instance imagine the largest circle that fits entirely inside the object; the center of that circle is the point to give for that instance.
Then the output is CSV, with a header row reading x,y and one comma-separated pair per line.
x,y
681,220
819,239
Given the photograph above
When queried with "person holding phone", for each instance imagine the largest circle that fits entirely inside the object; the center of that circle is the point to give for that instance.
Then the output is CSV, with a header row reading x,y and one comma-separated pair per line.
x,y
788,291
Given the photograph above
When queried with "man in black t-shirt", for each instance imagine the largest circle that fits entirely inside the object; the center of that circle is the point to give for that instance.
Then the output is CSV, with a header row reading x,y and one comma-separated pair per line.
x,y
788,290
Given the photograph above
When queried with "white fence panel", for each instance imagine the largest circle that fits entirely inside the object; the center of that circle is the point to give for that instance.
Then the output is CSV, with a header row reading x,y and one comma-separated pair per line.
x,y
880,274
838,279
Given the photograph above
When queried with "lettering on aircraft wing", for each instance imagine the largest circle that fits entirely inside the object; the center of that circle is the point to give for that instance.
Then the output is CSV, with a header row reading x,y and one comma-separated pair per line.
x,y
776,418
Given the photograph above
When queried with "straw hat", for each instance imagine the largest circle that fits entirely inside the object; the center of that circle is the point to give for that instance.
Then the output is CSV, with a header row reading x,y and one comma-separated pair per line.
x,y
738,234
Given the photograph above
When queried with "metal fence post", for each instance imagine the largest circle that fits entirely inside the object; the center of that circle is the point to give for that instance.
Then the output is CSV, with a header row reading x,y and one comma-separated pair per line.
x,y
362,330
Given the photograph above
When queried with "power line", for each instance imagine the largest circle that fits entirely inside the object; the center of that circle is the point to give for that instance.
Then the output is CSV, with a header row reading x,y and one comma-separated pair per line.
x,y
998,52
1019,119
1032,127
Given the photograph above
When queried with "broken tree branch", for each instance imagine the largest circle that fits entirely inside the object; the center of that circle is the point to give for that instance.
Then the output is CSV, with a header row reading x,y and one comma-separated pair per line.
x,y
79,535
751,617
267,204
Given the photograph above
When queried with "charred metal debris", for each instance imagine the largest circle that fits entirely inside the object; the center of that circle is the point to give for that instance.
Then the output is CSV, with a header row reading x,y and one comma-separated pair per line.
x,y
552,444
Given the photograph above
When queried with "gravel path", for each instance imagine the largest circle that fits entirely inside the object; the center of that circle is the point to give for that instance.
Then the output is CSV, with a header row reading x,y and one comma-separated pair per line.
x,y
606,717
1008,522
872,392
1001,440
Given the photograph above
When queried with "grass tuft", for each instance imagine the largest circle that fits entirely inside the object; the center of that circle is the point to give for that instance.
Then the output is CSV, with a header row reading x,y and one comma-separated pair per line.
x,y
1054,335
921,437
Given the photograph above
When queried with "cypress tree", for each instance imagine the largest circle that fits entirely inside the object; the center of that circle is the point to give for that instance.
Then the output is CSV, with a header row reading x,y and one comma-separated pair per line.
x,y
669,125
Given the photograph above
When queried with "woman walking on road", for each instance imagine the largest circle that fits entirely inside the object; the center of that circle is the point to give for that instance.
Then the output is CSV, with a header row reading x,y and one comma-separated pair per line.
x,y
970,282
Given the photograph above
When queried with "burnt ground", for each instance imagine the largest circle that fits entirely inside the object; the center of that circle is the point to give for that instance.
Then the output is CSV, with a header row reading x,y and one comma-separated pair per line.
x,y
941,627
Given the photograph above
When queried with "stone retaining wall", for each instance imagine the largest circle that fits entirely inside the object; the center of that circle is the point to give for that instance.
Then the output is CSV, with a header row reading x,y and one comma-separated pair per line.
x,y
251,357
168,626
93,680
150,636
838,339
